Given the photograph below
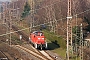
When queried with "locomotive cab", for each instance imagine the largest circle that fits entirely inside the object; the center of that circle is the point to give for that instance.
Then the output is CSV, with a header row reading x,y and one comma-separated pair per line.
x,y
38,39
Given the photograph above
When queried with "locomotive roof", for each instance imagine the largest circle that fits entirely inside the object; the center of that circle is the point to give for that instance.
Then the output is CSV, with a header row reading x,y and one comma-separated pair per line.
x,y
37,32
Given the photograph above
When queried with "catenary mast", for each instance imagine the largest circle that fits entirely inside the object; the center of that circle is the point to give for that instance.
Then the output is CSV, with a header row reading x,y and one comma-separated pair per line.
x,y
69,31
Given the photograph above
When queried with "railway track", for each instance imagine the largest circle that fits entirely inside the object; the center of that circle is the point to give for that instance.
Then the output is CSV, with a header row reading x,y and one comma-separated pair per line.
x,y
37,53
25,37
3,56
42,55
46,54
40,52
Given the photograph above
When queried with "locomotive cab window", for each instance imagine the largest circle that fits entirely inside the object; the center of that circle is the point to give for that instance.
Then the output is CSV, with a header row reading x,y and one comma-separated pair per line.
x,y
39,34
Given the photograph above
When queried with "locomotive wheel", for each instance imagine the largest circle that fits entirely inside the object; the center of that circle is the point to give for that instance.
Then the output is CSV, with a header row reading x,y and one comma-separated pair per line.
x,y
46,46
29,40
35,45
41,47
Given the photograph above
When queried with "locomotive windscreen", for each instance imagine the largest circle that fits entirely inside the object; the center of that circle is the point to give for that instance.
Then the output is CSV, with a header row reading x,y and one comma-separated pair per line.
x,y
38,33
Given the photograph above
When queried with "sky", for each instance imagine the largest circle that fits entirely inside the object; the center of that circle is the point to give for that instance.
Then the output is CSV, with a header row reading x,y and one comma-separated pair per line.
x,y
4,0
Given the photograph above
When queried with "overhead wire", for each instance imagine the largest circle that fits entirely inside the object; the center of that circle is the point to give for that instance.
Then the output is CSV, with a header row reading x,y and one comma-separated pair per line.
x,y
47,22
47,6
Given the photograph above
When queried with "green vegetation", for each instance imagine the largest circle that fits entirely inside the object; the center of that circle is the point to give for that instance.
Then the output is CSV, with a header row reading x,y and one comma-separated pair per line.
x,y
58,40
61,52
56,43
26,10
16,40
76,34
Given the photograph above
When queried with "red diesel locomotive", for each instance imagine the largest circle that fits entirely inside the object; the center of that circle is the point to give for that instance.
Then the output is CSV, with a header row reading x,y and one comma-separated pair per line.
x,y
37,38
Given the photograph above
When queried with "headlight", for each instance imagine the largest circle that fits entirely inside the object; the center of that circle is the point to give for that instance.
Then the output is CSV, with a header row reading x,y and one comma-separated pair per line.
x,y
39,38
43,38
